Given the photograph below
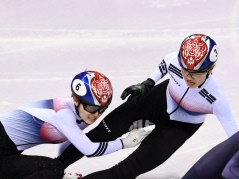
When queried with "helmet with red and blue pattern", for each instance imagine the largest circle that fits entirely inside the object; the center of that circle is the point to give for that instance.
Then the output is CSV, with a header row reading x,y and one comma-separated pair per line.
x,y
92,87
198,52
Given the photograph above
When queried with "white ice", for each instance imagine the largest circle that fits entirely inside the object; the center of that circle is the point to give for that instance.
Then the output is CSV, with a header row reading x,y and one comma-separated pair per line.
x,y
43,44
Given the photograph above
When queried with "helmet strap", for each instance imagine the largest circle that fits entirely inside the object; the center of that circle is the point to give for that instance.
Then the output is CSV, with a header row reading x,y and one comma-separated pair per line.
x,y
204,80
77,109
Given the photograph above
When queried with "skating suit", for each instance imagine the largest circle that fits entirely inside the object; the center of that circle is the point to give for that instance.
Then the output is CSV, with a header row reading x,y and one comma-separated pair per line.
x,y
52,121
191,105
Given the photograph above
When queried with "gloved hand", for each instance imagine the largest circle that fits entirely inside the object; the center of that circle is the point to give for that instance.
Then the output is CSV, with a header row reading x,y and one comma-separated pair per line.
x,y
134,138
138,90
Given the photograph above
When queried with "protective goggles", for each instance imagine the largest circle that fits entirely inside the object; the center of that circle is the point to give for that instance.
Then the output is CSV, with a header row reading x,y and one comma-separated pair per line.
x,y
93,109
194,74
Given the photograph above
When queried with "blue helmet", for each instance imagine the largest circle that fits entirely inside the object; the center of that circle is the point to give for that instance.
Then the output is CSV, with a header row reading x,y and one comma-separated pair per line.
x,y
92,87
197,52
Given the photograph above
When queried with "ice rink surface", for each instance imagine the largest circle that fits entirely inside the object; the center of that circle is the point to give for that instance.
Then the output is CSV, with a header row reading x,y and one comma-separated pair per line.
x,y
43,44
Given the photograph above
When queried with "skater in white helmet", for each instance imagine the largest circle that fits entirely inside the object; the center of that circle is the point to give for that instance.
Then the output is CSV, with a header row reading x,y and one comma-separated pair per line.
x,y
58,121
177,106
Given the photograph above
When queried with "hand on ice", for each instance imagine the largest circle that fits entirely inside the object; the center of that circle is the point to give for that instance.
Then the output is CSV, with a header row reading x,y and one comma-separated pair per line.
x,y
134,138
72,176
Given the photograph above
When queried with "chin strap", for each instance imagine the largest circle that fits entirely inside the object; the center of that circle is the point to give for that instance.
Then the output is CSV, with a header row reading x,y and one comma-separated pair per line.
x,y
204,81
76,108
77,112
78,121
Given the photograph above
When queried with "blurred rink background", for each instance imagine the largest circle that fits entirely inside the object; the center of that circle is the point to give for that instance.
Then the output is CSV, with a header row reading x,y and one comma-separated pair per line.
x,y
44,44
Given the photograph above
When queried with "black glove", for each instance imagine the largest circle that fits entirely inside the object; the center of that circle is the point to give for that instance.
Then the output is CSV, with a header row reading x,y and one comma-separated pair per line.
x,y
138,90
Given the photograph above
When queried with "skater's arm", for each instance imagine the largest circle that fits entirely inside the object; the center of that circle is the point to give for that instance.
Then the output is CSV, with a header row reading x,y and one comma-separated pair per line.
x,y
223,112
78,138
140,89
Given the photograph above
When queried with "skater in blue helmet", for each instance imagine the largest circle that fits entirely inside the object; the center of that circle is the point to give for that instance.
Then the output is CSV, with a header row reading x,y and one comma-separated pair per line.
x,y
58,121
177,107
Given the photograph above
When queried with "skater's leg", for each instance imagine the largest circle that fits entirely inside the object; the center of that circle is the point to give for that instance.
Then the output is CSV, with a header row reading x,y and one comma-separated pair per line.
x,y
153,151
30,167
149,108
232,168
116,123
70,155
14,165
213,162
